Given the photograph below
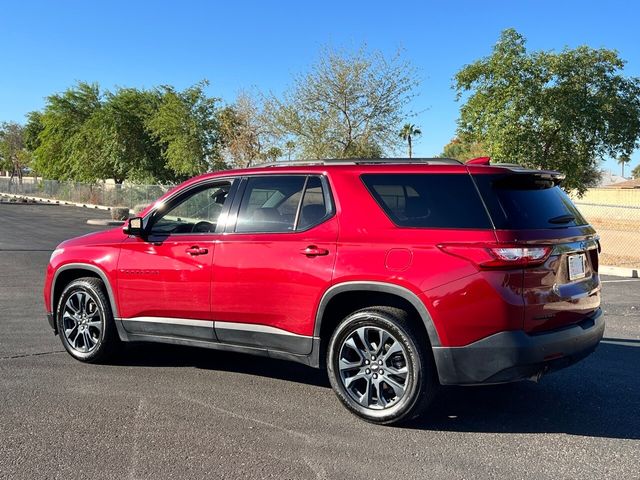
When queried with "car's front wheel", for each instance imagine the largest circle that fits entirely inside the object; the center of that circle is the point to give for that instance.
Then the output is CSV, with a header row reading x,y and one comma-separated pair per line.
x,y
85,321
380,367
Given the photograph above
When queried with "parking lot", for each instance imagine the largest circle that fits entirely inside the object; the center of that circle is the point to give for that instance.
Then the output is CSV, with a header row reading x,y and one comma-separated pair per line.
x,y
171,412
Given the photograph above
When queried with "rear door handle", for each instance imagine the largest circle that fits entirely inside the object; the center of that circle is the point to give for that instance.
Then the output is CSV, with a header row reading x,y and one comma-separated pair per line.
x,y
313,251
195,250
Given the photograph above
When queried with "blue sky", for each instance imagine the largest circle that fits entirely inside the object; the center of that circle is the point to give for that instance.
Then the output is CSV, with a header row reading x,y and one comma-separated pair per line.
x,y
48,46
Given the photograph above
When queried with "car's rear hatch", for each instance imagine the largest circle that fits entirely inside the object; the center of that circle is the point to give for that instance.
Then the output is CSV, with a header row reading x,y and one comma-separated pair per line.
x,y
529,209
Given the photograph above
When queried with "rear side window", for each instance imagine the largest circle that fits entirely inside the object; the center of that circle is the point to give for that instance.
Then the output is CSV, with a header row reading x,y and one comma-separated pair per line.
x,y
522,202
282,204
429,200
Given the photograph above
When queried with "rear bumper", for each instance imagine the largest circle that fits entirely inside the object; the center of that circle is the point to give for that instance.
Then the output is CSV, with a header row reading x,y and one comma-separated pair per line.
x,y
515,355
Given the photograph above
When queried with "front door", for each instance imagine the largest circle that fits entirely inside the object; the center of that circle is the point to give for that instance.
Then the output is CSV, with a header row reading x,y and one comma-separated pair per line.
x,y
164,277
274,264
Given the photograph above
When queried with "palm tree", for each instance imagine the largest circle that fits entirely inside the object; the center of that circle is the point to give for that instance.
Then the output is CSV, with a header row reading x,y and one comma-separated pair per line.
x,y
622,159
408,132
289,146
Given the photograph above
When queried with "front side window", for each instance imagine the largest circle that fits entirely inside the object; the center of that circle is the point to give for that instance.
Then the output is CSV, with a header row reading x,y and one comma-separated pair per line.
x,y
197,212
282,204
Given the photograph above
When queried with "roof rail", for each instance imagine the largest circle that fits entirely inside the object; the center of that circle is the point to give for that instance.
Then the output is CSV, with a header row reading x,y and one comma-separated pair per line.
x,y
363,161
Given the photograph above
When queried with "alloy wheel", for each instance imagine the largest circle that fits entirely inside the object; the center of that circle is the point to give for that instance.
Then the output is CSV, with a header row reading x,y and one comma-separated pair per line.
x,y
82,322
373,367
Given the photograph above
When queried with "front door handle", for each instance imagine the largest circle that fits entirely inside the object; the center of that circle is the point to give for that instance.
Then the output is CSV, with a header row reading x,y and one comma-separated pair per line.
x,y
313,251
195,250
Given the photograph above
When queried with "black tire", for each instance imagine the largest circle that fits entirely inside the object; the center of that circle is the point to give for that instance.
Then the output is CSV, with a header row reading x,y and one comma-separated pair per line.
x,y
88,330
420,381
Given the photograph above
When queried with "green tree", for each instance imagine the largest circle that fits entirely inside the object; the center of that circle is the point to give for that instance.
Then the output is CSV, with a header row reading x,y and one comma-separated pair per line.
x,y
128,148
32,130
623,160
186,126
408,133
564,111
160,135
347,105
61,151
463,148
635,173
13,154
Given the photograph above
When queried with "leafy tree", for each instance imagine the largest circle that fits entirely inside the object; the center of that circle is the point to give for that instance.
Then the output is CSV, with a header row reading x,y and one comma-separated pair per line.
x,y
243,133
160,135
186,126
13,154
563,111
463,148
128,148
347,105
408,132
32,130
622,161
635,173
61,152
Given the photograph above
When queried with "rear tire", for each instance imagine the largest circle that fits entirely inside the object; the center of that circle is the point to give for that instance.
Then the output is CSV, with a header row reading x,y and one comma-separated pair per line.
x,y
85,321
380,365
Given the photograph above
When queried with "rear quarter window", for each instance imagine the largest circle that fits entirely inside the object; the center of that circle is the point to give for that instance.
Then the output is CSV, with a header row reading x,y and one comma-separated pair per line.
x,y
429,200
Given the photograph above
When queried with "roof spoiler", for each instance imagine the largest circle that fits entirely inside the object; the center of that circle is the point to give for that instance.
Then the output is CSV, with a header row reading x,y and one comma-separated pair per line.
x,y
479,161
552,175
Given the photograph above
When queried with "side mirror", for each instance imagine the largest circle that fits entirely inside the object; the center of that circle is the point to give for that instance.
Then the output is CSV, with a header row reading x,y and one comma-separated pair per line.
x,y
134,227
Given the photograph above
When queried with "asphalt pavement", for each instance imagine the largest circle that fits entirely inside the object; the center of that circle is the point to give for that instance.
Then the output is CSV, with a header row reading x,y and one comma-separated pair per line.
x,y
171,412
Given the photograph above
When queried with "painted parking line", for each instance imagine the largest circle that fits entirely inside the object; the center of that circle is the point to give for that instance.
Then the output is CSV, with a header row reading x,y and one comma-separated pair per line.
x,y
619,281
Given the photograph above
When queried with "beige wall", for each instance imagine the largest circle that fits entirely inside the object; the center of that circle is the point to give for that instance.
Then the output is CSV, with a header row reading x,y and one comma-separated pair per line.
x,y
611,196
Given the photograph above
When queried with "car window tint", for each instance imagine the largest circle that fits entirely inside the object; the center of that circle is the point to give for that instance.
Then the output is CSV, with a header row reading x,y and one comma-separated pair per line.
x,y
270,204
314,207
428,200
196,213
523,201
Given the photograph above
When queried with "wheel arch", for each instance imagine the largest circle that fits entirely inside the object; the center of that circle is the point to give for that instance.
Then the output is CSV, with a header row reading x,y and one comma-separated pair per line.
x,y
389,291
72,271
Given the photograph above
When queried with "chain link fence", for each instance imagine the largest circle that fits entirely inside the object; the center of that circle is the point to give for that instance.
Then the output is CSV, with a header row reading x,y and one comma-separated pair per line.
x,y
132,196
619,230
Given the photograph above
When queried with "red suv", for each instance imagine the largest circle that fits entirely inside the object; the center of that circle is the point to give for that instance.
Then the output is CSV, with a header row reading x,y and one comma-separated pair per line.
x,y
398,275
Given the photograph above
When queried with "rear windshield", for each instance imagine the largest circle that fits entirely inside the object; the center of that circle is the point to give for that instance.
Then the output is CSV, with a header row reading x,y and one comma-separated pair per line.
x,y
429,200
523,202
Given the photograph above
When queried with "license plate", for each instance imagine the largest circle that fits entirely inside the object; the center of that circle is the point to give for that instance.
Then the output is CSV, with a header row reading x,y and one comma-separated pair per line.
x,y
577,265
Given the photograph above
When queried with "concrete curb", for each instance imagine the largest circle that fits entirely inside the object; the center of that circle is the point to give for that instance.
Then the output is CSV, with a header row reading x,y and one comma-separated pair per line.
x,y
57,202
105,222
29,202
619,272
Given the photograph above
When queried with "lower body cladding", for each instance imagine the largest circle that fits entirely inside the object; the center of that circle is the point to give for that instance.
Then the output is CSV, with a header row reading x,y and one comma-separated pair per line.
x,y
515,355
238,337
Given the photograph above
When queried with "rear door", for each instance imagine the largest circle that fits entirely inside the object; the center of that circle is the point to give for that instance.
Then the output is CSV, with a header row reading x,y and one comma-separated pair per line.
x,y
272,265
529,208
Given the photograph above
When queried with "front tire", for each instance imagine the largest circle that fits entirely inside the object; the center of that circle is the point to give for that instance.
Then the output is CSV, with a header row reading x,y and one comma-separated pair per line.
x,y
380,365
85,321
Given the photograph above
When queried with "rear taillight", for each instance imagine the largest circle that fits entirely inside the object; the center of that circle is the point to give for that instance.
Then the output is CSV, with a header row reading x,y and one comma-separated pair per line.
x,y
499,256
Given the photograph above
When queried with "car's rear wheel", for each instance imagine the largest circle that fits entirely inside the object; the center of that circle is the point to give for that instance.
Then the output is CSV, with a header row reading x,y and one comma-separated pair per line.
x,y
380,366
85,321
